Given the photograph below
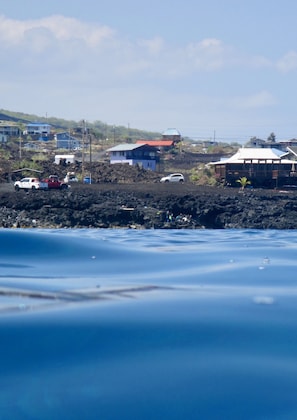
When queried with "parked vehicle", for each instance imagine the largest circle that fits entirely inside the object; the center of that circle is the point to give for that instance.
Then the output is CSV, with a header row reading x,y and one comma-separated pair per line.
x,y
173,178
70,177
53,182
30,184
87,180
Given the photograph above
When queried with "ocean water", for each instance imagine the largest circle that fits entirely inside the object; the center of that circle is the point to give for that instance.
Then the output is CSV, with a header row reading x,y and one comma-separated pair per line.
x,y
128,324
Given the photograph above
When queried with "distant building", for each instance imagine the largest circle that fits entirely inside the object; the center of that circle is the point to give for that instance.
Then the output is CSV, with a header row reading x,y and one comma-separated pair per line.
x,y
9,130
64,159
66,141
134,154
172,134
32,146
170,137
281,145
209,143
255,142
159,144
286,144
264,167
41,130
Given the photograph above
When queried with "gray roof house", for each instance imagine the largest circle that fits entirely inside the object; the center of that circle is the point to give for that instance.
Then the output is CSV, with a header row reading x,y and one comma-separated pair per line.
x,y
134,154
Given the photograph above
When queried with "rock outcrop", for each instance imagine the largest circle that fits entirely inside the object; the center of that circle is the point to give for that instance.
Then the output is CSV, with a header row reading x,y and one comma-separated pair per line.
x,y
148,206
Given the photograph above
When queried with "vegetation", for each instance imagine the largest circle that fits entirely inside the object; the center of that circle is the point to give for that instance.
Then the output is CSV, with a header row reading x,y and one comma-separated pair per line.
x,y
26,163
203,175
98,129
27,151
271,138
243,181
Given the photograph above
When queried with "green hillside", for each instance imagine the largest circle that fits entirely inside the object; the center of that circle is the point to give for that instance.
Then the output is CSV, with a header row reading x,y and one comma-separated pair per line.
x,y
100,129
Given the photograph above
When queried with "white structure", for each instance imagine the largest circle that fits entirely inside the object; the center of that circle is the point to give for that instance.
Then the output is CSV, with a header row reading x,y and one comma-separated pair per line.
x,y
172,134
64,159
263,167
255,155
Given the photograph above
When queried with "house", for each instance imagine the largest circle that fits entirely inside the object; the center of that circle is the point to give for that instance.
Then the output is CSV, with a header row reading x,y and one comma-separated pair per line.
x,y
172,134
9,130
66,141
32,146
286,144
209,143
134,154
158,144
293,150
264,167
255,142
38,129
281,145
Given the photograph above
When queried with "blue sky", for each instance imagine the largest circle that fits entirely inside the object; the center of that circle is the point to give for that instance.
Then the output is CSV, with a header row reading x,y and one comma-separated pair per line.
x,y
224,69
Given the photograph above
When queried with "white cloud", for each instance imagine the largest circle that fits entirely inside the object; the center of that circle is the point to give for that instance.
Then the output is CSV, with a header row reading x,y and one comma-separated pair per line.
x,y
75,69
94,49
153,46
212,54
208,54
257,100
58,27
90,45
288,62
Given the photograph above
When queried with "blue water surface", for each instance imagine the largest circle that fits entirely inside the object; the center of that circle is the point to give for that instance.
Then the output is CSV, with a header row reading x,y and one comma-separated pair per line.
x,y
148,324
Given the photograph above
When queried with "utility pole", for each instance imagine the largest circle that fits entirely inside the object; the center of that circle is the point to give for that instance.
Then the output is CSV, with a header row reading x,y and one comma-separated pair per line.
x,y
69,141
90,146
83,150
20,146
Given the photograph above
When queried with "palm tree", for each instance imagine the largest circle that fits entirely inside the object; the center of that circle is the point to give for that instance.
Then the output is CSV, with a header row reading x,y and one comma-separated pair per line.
x,y
243,182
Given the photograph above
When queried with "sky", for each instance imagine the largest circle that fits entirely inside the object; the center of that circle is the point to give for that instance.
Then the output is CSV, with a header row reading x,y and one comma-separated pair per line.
x,y
223,70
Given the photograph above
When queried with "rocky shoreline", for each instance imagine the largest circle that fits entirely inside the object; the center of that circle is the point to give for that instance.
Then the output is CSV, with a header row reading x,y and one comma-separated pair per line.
x,y
148,206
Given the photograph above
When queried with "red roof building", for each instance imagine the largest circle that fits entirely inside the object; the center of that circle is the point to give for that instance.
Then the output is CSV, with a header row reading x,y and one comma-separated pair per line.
x,y
157,143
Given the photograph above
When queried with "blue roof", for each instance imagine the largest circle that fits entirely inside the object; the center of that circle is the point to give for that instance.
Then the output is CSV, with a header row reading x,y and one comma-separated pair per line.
x,y
36,124
171,132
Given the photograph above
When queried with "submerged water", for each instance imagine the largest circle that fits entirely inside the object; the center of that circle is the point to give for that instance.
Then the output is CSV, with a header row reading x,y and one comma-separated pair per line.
x,y
125,324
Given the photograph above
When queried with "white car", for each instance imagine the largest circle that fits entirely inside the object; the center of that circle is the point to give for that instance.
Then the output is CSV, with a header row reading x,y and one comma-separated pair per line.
x,y
30,184
173,178
70,177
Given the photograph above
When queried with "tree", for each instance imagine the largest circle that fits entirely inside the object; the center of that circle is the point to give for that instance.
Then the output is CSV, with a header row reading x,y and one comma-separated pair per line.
x,y
271,138
243,182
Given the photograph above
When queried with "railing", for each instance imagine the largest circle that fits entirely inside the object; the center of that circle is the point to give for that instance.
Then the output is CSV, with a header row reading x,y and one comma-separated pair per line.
x,y
261,174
